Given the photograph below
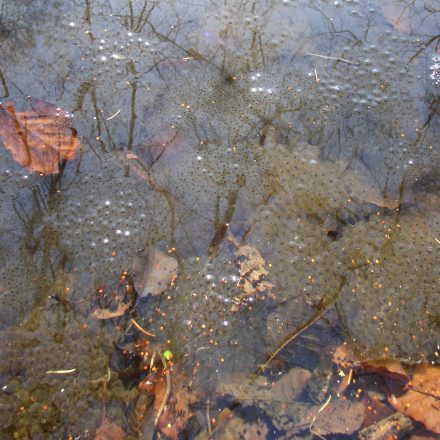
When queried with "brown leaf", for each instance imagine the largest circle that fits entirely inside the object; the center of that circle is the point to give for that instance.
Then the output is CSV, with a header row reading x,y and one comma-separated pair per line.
x,y
154,273
39,138
247,388
339,417
107,313
109,431
422,401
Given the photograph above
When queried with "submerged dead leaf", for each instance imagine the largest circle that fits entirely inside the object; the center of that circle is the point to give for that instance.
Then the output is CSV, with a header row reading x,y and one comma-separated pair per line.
x,y
341,416
38,138
107,313
422,401
154,273
109,431
247,388
346,358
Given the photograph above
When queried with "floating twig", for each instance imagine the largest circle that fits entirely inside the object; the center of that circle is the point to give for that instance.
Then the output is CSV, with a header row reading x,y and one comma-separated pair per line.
x,y
72,370
113,116
316,76
326,57
141,329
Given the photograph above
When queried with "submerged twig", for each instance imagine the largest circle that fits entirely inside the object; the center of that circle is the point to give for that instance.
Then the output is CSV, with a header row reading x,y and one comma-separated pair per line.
x,y
315,318
324,307
208,418
141,329
167,392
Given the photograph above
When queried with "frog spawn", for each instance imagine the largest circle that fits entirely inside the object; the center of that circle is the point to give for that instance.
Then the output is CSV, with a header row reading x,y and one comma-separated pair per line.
x,y
44,404
390,301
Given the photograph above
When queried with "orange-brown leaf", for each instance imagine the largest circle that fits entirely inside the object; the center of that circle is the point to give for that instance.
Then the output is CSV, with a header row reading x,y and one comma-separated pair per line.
x,y
422,401
344,357
40,137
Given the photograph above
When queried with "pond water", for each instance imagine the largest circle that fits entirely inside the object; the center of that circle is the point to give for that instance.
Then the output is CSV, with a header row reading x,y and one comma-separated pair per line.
x,y
255,183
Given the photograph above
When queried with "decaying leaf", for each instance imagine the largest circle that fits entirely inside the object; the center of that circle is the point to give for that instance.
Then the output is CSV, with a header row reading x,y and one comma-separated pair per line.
x,y
340,416
422,401
107,313
40,137
154,273
252,270
247,388
109,431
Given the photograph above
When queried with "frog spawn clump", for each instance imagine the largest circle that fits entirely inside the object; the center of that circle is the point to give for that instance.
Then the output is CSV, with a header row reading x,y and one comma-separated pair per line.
x,y
390,301
36,403
106,217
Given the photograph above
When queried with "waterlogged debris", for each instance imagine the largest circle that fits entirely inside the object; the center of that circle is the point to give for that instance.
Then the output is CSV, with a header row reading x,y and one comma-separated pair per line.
x,y
39,138
108,313
252,270
394,426
109,431
422,400
173,397
157,271
233,427
277,399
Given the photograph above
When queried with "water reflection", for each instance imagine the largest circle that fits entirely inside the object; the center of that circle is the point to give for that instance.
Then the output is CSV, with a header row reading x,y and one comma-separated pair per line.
x,y
307,130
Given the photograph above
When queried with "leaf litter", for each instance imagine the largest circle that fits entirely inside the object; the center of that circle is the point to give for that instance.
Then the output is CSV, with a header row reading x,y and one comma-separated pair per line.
x,y
422,400
412,391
